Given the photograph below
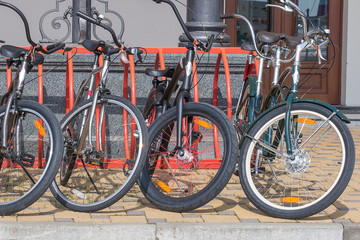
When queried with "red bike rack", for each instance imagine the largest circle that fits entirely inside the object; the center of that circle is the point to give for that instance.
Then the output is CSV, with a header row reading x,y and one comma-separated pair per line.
x,y
250,68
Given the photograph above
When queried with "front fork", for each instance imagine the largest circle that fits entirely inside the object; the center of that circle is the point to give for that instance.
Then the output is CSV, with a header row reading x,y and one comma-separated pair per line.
x,y
180,109
8,120
184,93
87,121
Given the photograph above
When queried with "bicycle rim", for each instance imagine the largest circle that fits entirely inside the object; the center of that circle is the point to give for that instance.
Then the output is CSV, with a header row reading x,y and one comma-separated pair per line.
x,y
107,169
25,165
297,184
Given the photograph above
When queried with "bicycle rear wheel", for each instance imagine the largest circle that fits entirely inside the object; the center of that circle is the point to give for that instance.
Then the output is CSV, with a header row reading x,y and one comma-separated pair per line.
x,y
182,181
25,171
323,164
98,175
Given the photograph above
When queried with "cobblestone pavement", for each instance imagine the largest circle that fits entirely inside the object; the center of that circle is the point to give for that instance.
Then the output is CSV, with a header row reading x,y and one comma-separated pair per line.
x,y
230,206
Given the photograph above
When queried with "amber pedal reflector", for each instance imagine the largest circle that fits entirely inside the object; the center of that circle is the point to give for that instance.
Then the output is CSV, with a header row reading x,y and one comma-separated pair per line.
x,y
203,124
163,186
305,120
291,199
40,129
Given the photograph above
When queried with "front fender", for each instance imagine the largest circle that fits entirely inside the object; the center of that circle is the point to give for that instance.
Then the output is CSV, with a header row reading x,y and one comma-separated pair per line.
x,y
311,101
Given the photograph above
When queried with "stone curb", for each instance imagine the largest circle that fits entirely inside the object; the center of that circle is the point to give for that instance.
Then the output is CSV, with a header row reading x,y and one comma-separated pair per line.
x,y
162,231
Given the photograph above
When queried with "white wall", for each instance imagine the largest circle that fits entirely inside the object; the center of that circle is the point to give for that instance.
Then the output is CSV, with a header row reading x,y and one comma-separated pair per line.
x,y
147,24
351,52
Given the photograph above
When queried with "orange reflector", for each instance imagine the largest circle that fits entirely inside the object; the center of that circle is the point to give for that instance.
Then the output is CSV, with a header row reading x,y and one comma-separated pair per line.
x,y
40,128
305,120
291,199
203,124
163,186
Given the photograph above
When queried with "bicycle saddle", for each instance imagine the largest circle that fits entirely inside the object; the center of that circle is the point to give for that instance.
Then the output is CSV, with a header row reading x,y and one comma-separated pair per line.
x,y
94,46
290,40
270,37
16,52
168,72
267,37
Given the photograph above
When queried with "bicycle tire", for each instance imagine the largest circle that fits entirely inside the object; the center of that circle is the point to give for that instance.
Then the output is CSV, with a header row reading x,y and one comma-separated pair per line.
x,y
204,117
320,172
23,174
101,177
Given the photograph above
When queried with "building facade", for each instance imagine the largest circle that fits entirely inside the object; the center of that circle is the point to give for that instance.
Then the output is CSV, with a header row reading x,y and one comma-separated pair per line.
x,y
154,25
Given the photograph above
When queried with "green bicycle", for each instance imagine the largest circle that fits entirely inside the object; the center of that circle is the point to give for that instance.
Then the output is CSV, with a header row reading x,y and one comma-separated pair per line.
x,y
296,155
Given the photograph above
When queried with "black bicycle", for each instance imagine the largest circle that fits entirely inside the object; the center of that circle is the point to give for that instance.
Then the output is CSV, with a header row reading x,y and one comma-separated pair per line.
x,y
27,129
192,146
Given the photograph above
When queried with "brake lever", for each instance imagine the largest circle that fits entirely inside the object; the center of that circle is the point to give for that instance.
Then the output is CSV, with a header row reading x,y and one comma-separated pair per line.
x,y
285,8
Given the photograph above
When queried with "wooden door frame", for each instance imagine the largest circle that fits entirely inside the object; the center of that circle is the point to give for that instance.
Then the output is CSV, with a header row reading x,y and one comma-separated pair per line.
x,y
285,22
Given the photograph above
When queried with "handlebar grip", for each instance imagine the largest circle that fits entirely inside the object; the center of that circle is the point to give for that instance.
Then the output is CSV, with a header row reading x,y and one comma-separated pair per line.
x,y
87,17
51,48
55,45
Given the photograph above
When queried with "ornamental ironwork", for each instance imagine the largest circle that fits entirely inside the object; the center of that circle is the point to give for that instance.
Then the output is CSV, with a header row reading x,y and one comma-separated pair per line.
x,y
79,29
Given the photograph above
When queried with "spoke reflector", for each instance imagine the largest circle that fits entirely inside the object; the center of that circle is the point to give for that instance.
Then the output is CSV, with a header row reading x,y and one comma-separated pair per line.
x,y
291,199
40,128
305,120
163,186
203,124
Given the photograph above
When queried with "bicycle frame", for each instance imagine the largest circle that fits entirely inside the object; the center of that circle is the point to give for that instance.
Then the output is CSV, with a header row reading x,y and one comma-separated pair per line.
x,y
98,92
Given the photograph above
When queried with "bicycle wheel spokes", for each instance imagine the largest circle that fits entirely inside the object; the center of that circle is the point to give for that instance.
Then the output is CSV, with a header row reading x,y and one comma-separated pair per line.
x,y
98,173
319,153
23,162
186,171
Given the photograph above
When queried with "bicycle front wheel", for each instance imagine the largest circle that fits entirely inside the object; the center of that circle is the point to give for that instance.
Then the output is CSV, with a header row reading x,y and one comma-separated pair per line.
x,y
26,171
106,167
324,157
178,181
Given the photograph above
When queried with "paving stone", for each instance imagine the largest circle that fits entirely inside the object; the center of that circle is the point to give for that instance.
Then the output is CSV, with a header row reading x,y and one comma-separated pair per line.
x,y
100,216
226,212
249,220
38,218
116,207
191,215
135,213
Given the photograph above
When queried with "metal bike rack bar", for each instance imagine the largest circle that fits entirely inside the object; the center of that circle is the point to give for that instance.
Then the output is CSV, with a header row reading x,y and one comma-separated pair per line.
x,y
129,69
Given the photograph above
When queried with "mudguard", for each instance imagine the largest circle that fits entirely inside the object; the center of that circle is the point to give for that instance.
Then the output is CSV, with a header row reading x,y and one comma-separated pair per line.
x,y
312,101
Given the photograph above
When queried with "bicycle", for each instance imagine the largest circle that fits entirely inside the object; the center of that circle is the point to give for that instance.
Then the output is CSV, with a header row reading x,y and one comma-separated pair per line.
x,y
105,138
27,127
192,146
297,156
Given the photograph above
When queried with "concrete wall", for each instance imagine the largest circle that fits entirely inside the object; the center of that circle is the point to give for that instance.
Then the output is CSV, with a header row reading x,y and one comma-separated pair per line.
x,y
147,24
351,51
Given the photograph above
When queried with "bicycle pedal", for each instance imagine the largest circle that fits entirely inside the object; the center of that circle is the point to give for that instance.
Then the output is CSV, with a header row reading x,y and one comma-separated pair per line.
x,y
98,163
27,160
128,166
261,169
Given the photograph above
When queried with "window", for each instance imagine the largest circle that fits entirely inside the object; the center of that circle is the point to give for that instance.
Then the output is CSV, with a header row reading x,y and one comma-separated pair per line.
x,y
258,15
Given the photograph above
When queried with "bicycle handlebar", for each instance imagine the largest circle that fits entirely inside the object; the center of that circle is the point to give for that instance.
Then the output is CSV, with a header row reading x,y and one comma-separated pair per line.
x,y
23,18
106,27
201,45
50,48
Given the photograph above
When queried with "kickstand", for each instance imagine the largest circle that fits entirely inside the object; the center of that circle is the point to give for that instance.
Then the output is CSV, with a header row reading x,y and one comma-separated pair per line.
x,y
91,180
